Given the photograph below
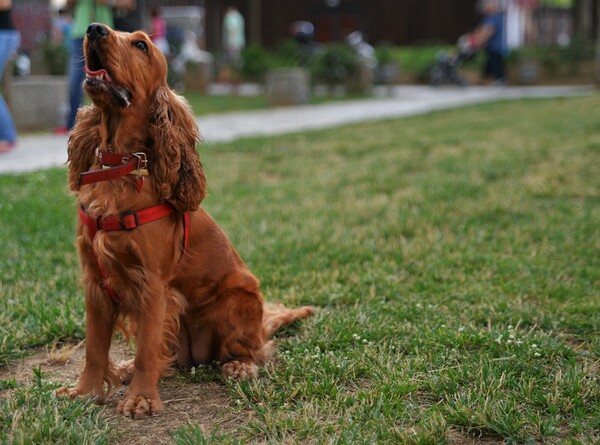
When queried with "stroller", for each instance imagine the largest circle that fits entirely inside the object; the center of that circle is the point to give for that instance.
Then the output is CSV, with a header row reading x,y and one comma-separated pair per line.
x,y
446,67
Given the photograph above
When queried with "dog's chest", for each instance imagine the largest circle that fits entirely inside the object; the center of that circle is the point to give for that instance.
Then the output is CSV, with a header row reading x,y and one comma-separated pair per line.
x,y
115,198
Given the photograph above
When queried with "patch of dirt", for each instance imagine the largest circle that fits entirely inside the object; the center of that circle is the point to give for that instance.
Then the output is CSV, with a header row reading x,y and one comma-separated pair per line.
x,y
205,404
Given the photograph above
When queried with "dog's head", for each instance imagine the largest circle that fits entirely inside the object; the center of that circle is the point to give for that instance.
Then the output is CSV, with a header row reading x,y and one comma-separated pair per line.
x,y
126,78
121,68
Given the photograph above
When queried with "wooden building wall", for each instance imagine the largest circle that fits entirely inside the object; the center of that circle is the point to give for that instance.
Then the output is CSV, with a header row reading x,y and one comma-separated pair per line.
x,y
402,22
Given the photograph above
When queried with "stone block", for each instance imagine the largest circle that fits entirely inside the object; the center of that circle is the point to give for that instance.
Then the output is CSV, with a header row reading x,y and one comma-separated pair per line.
x,y
288,86
38,102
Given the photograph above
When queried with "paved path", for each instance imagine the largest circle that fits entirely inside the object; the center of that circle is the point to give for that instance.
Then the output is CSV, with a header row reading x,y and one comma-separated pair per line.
x,y
45,150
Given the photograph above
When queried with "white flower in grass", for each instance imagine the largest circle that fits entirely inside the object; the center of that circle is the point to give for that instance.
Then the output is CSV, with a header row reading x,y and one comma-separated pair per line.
x,y
534,346
537,354
499,339
461,329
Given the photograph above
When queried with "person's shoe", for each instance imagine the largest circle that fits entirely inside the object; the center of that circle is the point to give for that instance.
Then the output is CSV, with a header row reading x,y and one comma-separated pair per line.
x,y
6,146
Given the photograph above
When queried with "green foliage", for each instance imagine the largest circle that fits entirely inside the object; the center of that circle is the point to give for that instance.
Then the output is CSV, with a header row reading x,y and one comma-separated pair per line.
x,y
257,61
557,61
558,3
41,301
289,54
334,64
417,59
34,415
56,56
458,294
384,53
193,435
454,258
203,104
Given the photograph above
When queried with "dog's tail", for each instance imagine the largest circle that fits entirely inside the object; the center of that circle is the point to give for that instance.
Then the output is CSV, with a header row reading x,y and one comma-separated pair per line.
x,y
277,315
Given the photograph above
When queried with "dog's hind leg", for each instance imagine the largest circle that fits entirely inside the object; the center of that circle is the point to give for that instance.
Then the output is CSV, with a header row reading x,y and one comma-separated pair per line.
x,y
236,318
243,325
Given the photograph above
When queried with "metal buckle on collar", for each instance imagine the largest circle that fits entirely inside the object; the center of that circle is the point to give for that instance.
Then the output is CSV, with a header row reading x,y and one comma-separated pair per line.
x,y
142,160
142,163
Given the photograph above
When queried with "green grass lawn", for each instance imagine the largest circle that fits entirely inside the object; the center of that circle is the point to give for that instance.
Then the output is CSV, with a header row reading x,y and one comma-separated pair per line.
x,y
455,258
203,104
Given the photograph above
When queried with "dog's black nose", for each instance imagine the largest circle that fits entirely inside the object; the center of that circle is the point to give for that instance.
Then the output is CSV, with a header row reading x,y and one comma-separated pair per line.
x,y
96,31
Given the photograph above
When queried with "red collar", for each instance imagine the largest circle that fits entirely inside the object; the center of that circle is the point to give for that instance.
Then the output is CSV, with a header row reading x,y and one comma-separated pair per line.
x,y
120,164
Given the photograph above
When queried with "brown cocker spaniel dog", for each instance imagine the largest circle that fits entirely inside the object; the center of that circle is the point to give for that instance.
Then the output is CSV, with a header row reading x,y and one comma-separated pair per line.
x,y
154,263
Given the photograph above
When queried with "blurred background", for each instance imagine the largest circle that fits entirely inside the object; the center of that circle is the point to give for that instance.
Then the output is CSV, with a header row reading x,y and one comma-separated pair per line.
x,y
297,48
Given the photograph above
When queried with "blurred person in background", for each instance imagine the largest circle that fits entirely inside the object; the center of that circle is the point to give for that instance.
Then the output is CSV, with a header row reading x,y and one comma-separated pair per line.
x,y
61,28
10,39
234,40
125,16
490,35
84,13
158,31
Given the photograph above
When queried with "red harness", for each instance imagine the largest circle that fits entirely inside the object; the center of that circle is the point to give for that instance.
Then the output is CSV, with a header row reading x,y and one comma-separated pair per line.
x,y
123,164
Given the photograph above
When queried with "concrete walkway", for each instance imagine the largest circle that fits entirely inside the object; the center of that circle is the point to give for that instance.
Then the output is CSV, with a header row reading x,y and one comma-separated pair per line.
x,y
45,150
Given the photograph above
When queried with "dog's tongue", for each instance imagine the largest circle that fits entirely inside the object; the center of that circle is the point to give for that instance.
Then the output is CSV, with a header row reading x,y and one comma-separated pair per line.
x,y
100,74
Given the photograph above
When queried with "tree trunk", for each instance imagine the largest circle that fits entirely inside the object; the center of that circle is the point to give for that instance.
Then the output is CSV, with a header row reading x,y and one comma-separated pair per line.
x,y
583,20
597,52
254,22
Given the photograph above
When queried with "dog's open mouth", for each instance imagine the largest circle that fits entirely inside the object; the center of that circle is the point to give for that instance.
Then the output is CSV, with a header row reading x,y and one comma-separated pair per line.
x,y
98,75
95,71
98,80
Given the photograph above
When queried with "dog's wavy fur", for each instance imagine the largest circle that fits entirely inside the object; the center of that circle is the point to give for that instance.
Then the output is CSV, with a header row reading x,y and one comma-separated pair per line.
x,y
193,309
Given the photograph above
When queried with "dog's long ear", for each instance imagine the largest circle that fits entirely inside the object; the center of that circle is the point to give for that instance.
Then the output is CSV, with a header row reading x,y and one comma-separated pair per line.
x,y
83,141
174,161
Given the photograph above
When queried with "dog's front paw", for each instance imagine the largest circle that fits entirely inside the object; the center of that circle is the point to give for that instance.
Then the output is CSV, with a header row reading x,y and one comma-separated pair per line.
x,y
137,407
239,370
73,393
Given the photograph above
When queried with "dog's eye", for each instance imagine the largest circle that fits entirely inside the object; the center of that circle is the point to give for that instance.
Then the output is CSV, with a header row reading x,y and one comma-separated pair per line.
x,y
140,44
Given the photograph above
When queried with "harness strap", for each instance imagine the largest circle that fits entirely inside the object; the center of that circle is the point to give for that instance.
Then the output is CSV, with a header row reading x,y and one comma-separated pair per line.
x,y
186,232
128,221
